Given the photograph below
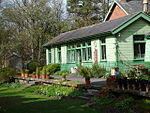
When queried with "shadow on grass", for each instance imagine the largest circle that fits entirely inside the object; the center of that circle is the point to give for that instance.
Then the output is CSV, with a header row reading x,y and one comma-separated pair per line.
x,y
20,102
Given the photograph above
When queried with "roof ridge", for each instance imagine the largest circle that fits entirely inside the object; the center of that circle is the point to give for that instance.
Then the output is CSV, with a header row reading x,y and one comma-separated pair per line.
x,y
97,24
99,28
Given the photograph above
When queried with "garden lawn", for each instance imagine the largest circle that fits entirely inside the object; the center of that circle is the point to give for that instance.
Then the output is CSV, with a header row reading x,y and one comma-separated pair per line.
x,y
15,100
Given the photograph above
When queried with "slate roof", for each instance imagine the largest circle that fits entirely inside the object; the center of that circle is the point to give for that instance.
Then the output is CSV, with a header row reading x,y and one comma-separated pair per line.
x,y
85,32
133,6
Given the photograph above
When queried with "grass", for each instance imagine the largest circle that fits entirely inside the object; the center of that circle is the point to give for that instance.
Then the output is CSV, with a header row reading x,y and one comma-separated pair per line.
x,y
122,104
16,100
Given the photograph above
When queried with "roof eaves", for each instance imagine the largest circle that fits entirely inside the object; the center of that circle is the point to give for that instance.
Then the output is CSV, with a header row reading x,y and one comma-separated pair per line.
x,y
80,39
131,20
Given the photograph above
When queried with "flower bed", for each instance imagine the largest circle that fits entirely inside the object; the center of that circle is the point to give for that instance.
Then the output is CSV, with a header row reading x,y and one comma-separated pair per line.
x,y
55,90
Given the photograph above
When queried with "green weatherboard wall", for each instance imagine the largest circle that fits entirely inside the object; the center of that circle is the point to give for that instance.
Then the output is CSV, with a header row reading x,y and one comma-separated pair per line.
x,y
119,48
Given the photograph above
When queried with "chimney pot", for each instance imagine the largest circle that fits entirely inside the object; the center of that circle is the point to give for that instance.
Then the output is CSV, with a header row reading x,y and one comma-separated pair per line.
x,y
123,0
145,1
145,5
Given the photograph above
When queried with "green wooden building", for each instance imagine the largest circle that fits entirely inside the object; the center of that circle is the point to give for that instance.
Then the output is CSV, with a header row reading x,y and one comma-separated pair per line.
x,y
122,42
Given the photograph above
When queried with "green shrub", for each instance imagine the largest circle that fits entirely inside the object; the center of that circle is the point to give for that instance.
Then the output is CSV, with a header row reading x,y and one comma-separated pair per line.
x,y
98,71
125,103
23,71
104,101
44,70
52,68
6,74
32,66
85,72
38,70
61,72
55,90
26,71
33,73
89,72
143,77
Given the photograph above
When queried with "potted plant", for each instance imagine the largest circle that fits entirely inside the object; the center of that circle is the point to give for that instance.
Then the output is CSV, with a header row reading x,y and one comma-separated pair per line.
x,y
98,71
44,73
48,75
37,72
26,73
143,81
34,74
85,72
22,73
64,76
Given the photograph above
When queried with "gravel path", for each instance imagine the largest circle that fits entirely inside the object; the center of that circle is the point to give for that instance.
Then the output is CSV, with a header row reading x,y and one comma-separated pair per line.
x,y
94,81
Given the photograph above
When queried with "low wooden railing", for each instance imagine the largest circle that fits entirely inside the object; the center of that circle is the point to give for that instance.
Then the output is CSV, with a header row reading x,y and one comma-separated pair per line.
x,y
134,86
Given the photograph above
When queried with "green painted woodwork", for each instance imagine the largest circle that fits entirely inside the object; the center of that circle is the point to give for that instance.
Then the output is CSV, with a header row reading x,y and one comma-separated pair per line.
x,y
111,49
79,52
64,54
147,51
56,55
147,37
52,55
125,39
47,57
95,45
119,47
130,21
68,66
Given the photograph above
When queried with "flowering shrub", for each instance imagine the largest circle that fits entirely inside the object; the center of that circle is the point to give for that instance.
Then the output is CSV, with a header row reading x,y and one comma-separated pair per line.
x,y
55,90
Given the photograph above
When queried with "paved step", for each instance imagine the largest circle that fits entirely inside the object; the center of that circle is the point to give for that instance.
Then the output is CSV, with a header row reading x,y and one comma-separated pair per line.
x,y
31,83
84,97
92,91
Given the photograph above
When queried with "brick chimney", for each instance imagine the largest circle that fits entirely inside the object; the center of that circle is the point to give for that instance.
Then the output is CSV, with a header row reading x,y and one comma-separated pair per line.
x,y
145,5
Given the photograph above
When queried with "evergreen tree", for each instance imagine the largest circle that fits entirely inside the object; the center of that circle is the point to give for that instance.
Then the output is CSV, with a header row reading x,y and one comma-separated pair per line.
x,y
87,12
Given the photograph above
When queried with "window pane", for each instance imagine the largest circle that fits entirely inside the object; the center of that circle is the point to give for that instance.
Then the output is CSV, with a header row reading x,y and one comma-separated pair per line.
x,y
78,45
83,44
139,50
103,40
138,37
84,57
59,54
71,56
89,54
49,57
88,43
103,52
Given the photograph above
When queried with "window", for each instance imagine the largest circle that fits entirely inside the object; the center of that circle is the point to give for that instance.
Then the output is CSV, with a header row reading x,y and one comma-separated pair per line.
x,y
103,49
84,54
80,52
59,54
71,55
49,56
139,46
89,54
